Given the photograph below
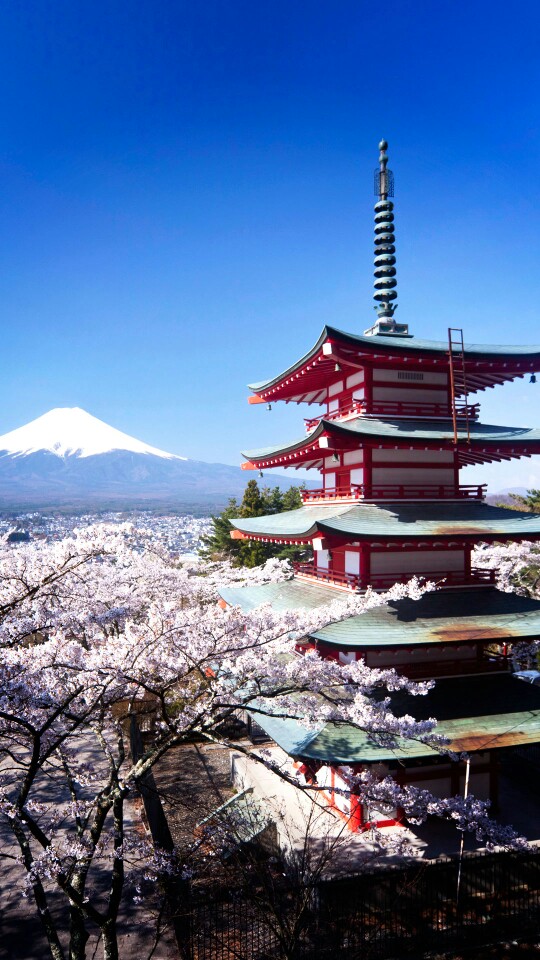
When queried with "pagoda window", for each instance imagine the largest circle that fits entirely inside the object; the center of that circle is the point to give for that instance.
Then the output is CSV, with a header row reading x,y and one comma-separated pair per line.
x,y
329,480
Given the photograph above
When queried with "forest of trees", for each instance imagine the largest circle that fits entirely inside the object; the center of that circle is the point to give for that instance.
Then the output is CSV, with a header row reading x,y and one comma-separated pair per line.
x,y
255,503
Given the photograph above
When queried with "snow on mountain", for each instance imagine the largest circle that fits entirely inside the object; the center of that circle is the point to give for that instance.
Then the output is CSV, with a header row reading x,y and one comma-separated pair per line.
x,y
70,431
68,457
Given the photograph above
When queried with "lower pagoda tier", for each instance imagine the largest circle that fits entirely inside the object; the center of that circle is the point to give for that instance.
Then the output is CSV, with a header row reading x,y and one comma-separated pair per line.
x,y
394,521
361,545
480,717
446,632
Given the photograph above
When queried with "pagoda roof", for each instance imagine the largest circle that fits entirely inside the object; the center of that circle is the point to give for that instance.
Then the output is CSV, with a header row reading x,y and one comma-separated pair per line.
x,y
487,440
397,521
308,378
475,713
441,617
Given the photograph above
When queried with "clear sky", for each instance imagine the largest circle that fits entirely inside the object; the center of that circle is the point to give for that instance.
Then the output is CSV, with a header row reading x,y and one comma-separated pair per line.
x,y
187,190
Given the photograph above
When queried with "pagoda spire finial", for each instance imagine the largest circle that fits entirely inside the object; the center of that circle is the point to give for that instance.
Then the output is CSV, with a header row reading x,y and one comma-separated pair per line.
x,y
385,260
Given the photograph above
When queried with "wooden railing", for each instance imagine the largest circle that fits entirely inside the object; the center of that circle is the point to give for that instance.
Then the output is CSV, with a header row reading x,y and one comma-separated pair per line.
x,y
407,408
395,408
354,406
397,491
382,581
350,580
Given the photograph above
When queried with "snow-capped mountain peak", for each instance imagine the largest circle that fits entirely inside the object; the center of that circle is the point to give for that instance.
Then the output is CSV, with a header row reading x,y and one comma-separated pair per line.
x,y
72,432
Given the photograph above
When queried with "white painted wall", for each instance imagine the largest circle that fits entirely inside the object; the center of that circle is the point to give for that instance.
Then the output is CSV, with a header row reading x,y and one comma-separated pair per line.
x,y
321,559
403,474
355,379
357,475
353,456
352,562
409,395
395,561
335,388
413,456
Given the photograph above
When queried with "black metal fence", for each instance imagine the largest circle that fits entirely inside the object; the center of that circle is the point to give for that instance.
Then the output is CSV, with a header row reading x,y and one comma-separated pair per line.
x,y
386,913
390,913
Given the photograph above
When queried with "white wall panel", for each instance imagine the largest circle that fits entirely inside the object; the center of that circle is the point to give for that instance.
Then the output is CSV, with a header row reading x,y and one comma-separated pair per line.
x,y
403,474
352,562
394,561
413,456
321,559
335,388
410,395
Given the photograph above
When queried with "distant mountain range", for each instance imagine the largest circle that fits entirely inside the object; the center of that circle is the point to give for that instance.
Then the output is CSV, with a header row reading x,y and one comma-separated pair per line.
x,y
70,459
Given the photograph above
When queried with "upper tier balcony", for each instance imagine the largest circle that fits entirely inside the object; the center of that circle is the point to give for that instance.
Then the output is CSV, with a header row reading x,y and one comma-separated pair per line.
x,y
478,577
396,408
395,491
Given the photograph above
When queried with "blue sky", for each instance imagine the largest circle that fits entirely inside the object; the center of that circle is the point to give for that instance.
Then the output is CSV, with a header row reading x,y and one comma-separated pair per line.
x,y
187,190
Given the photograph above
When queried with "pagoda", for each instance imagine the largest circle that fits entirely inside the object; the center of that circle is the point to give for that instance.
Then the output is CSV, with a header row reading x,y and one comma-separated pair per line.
x,y
396,426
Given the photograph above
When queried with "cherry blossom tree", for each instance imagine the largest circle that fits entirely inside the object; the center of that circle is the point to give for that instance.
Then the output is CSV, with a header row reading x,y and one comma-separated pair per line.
x,y
517,570
103,626
516,565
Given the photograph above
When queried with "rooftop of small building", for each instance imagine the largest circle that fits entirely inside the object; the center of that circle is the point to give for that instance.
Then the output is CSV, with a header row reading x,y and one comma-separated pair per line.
x,y
396,520
473,713
442,617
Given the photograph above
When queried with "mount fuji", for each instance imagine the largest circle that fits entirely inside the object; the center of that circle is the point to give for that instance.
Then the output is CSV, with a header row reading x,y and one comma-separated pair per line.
x,y
68,458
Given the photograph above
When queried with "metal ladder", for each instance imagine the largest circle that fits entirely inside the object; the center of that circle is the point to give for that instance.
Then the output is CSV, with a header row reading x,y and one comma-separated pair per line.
x,y
458,381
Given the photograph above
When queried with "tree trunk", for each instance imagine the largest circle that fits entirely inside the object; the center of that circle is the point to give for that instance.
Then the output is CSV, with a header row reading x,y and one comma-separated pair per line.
x,y
78,934
110,941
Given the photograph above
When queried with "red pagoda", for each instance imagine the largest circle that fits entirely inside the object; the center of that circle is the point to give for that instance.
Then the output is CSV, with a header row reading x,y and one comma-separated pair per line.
x,y
396,427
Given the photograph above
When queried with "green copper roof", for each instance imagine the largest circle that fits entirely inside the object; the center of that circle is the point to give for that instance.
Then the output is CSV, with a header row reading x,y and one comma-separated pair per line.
x,y
286,595
445,616
396,521
475,713
436,431
404,345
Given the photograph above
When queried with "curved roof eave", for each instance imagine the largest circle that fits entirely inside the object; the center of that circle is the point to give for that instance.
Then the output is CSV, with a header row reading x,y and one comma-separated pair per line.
x,y
396,521
363,428
408,345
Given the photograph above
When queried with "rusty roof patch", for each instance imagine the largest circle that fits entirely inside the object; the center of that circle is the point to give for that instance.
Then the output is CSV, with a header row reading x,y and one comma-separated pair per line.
x,y
472,631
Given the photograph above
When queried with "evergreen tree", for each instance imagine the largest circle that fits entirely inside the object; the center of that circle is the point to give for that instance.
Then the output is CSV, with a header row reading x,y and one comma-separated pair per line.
x,y
530,502
255,503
